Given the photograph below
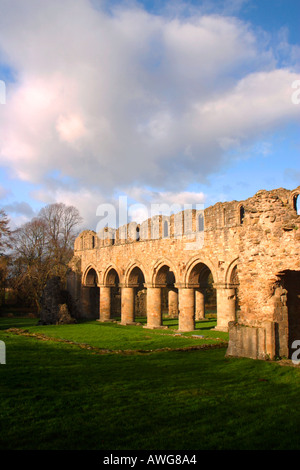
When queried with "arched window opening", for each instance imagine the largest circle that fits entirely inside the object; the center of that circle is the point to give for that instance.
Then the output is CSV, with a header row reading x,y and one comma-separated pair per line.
x,y
234,279
166,229
287,292
164,278
137,235
91,278
242,214
201,281
296,203
112,280
90,295
93,242
136,280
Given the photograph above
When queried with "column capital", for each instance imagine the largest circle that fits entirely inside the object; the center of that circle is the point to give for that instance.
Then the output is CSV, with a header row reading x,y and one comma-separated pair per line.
x,y
187,285
181,285
124,285
224,285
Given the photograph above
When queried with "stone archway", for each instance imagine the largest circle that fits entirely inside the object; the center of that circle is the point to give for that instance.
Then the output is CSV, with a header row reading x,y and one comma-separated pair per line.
x,y
110,297
164,278
136,279
296,202
199,289
134,296
287,312
112,281
162,296
90,294
232,283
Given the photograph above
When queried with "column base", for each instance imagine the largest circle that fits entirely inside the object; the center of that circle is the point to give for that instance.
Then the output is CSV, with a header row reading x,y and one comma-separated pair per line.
x,y
220,328
106,321
155,327
185,331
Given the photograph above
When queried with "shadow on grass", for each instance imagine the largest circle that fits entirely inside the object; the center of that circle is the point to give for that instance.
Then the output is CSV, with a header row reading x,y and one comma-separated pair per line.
x,y
17,322
191,400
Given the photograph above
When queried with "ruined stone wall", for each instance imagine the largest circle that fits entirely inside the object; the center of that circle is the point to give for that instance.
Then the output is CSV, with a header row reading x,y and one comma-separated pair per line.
x,y
268,244
251,245
269,249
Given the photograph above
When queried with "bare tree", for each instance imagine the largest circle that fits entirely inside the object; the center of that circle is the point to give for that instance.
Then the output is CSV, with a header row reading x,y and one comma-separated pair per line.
x,y
32,264
5,244
43,248
5,233
61,222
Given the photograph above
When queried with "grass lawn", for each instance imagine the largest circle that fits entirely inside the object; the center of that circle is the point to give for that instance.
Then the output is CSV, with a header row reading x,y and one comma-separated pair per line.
x,y
114,336
57,395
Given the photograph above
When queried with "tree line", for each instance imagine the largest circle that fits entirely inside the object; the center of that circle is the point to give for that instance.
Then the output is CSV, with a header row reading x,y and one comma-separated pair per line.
x,y
36,251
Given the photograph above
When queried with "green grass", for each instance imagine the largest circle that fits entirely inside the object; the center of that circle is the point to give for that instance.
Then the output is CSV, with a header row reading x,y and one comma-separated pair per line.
x,y
56,395
119,337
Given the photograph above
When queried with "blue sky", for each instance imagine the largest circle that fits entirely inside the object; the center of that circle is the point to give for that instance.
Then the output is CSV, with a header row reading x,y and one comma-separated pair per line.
x,y
166,102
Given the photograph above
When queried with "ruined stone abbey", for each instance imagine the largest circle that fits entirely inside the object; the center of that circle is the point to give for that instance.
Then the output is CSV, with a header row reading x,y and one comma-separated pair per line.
x,y
245,253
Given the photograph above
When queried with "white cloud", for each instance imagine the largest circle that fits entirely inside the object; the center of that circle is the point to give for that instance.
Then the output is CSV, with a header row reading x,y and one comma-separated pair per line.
x,y
3,192
70,128
123,100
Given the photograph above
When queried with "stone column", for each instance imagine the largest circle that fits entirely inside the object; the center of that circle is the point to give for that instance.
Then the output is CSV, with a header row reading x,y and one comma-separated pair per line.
x,y
186,309
127,305
173,303
226,305
200,304
104,303
154,316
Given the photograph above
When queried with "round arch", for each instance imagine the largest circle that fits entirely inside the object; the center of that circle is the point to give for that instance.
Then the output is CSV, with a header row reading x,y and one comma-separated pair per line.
x,y
90,276
201,277
163,267
230,272
204,266
111,283
240,213
295,201
136,265
111,276
135,287
90,292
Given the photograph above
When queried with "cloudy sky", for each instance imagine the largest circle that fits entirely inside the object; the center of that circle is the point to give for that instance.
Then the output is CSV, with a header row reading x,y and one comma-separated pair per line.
x,y
159,101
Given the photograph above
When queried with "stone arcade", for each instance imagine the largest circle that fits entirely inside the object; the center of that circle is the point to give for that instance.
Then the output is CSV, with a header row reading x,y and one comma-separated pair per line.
x,y
251,247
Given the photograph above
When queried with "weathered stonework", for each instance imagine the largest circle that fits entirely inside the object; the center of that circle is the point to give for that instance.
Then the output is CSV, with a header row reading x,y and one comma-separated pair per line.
x,y
57,306
251,248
